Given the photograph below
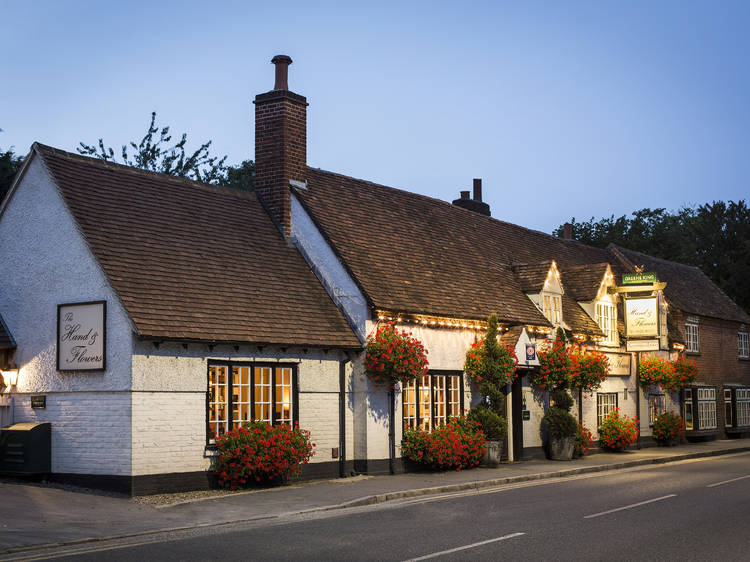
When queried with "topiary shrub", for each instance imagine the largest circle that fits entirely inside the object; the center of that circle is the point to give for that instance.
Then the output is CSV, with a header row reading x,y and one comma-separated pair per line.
x,y
493,425
259,452
560,423
561,399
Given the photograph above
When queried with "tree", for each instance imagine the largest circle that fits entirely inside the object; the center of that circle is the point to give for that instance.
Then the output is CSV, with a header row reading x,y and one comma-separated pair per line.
x,y
156,153
9,166
714,237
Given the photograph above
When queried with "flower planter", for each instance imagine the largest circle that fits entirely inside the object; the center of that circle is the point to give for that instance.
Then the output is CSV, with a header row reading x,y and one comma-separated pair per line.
x,y
561,448
493,453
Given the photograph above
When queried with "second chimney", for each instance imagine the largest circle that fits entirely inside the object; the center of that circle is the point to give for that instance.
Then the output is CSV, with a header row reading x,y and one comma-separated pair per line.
x,y
475,204
568,231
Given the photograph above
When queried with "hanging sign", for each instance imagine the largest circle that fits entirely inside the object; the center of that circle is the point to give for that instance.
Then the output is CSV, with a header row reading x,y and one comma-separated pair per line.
x,y
642,318
642,345
619,364
81,336
638,278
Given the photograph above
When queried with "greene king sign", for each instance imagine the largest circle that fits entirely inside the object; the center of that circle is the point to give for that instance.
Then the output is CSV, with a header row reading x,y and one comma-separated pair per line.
x,y
638,278
642,318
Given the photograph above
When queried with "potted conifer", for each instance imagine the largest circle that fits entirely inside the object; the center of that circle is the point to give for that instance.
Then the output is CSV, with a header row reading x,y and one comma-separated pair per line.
x,y
491,367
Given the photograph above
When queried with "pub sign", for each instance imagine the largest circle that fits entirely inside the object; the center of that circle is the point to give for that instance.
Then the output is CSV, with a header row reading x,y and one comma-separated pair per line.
x,y
81,336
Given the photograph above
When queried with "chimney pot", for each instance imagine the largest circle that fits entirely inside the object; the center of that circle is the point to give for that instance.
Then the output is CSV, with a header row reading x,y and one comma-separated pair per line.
x,y
464,195
568,231
478,189
282,63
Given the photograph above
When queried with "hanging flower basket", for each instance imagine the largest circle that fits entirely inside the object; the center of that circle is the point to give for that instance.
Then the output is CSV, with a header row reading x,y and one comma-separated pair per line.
x,y
655,371
589,369
394,356
555,365
685,372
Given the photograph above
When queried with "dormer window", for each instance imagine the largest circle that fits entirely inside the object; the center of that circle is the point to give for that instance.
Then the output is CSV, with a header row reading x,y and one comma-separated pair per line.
x,y
606,317
553,309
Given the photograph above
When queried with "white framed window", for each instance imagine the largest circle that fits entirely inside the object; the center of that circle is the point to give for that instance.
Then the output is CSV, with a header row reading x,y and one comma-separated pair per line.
x,y
656,405
552,309
245,392
742,397
691,337
743,345
606,317
706,408
432,400
605,403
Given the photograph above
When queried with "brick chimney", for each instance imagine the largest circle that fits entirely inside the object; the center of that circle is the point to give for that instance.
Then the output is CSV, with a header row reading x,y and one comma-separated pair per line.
x,y
568,231
475,204
280,144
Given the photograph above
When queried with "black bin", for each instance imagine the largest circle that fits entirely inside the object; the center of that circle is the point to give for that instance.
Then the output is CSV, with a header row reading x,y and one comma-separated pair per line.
x,y
26,449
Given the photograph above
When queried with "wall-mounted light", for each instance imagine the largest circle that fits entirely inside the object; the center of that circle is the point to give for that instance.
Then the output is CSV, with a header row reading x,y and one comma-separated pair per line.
x,y
10,374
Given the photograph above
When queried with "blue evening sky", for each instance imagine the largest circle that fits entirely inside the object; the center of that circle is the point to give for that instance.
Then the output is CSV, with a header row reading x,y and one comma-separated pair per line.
x,y
563,108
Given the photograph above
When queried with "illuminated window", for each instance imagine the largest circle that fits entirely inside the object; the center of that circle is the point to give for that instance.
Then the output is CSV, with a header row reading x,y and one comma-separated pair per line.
x,y
743,344
239,393
553,308
432,400
605,403
691,337
606,317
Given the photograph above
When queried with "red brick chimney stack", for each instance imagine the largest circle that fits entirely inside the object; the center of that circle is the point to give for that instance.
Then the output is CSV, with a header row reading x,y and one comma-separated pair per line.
x,y
568,231
280,145
478,189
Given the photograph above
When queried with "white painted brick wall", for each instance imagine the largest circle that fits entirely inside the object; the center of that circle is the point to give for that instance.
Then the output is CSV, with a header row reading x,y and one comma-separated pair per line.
x,y
90,430
169,432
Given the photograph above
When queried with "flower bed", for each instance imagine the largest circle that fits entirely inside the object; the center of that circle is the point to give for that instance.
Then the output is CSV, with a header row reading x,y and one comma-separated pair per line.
x,y
655,371
259,452
668,428
618,431
392,356
583,441
459,444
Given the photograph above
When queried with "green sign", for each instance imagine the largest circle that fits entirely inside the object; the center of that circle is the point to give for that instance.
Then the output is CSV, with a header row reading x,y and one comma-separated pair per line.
x,y
526,415
638,278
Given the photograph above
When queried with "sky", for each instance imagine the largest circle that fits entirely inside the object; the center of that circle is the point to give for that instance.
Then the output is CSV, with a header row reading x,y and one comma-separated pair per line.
x,y
564,109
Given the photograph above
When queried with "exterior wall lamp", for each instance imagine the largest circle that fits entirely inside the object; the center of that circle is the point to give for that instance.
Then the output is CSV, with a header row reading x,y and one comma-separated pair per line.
x,y
10,374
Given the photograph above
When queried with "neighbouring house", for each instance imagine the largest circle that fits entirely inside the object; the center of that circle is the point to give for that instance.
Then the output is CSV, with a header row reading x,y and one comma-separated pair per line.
x,y
142,315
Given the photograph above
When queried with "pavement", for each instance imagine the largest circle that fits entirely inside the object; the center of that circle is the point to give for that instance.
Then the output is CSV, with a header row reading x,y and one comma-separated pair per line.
x,y
34,517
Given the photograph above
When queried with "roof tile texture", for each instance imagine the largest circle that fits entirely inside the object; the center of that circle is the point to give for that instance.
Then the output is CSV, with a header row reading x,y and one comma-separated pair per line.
x,y
195,262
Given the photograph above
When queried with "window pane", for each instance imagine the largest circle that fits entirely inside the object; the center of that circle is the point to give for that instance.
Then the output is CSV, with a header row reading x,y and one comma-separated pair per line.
x,y
283,398
425,404
605,403
262,394
240,395
439,399
454,397
410,404
217,402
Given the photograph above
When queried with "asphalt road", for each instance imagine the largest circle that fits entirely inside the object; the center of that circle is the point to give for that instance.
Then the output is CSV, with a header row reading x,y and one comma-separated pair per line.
x,y
692,510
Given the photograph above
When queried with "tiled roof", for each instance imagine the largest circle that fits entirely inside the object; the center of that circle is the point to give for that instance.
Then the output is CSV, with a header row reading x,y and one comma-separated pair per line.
x,y
417,254
582,281
688,288
531,276
575,317
6,339
195,262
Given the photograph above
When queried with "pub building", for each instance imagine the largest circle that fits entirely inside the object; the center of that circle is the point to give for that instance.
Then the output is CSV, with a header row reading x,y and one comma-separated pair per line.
x,y
143,314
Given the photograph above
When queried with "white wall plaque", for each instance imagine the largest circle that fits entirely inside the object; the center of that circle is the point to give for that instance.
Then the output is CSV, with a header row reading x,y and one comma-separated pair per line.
x,y
619,364
642,318
642,345
81,337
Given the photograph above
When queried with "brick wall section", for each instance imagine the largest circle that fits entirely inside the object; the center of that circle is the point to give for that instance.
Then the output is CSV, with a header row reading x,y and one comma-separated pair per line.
x,y
280,150
718,360
90,430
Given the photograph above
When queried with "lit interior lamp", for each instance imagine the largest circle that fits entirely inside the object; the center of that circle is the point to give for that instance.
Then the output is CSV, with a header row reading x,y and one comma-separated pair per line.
x,y
10,374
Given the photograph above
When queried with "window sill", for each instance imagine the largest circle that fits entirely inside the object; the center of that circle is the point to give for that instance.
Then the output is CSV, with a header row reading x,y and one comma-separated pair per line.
x,y
692,353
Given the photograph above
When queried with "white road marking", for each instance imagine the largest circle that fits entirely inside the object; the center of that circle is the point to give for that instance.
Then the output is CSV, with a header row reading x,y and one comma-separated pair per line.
x,y
629,506
728,481
467,547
